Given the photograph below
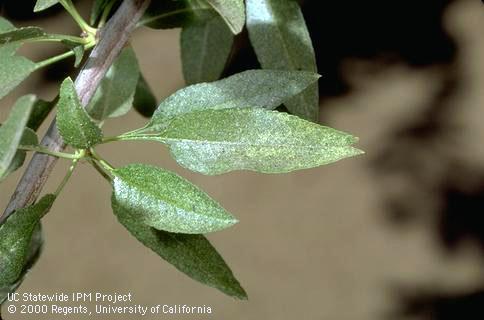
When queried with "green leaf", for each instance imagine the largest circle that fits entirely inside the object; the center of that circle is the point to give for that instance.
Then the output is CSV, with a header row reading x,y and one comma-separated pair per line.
x,y
16,239
11,132
29,138
206,44
35,249
21,34
253,88
144,100
191,254
114,96
44,4
172,14
78,50
218,141
281,40
166,201
73,122
13,69
40,111
232,11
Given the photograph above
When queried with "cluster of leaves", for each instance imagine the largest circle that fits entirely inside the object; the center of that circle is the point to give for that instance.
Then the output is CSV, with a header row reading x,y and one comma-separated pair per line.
x,y
210,127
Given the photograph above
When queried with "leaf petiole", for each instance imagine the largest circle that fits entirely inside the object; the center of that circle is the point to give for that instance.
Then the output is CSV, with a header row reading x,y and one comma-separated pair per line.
x,y
106,165
68,175
71,9
105,13
57,154
60,57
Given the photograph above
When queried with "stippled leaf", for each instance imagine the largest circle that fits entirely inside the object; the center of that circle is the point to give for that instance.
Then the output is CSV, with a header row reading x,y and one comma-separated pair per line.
x,y
144,100
232,11
13,69
75,125
16,239
189,253
218,141
278,33
11,132
206,43
35,249
166,201
44,4
253,88
114,96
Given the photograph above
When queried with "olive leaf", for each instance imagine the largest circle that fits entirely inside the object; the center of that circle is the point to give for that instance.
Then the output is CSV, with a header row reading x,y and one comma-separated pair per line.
x,y
190,253
40,111
144,101
44,4
78,50
115,94
21,34
74,124
280,38
172,14
29,138
206,43
16,239
232,11
11,133
35,249
218,141
166,201
253,88
13,69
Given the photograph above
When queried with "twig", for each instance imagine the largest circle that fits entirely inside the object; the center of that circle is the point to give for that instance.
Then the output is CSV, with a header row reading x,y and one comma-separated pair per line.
x,y
113,37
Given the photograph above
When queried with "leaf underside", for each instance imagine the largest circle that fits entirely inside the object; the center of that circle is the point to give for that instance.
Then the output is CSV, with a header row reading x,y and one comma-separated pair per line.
x,y
252,88
189,253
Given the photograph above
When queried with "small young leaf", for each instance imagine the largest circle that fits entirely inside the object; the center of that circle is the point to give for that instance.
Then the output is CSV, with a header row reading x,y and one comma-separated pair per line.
x,y
166,201
115,94
261,88
218,141
11,132
16,239
44,4
78,50
144,100
189,253
232,11
29,138
13,69
40,111
73,122
21,34
281,40
206,43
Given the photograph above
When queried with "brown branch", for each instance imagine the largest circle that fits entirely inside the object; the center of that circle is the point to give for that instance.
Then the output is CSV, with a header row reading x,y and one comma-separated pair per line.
x,y
113,37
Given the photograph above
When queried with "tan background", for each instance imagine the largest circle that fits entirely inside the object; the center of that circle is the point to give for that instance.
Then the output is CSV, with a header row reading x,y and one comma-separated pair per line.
x,y
310,245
